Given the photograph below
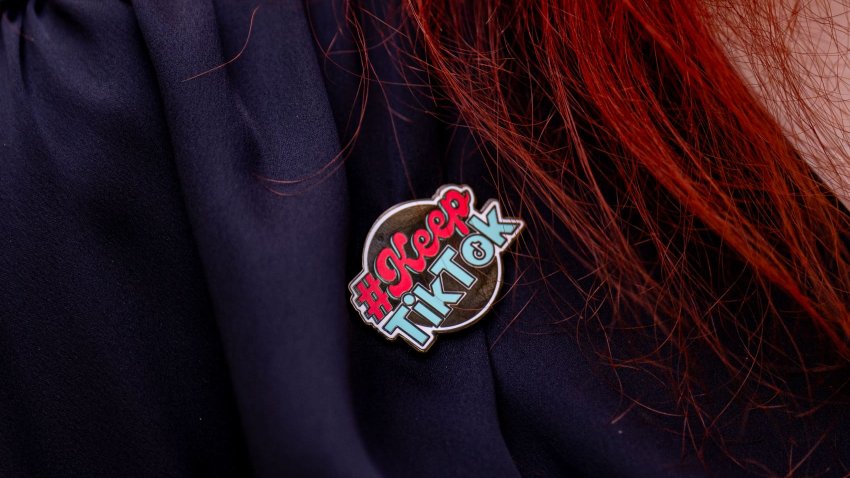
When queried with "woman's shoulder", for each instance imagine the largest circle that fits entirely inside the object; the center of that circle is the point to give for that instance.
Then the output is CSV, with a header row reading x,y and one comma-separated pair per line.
x,y
189,187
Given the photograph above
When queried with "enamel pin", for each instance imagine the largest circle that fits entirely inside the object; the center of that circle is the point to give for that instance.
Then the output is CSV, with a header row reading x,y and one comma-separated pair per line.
x,y
432,266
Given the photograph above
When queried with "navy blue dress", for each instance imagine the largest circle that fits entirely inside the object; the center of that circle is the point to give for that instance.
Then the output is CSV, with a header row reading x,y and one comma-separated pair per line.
x,y
170,305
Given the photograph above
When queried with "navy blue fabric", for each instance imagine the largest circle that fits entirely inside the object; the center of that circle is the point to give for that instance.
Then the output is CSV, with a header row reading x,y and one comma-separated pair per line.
x,y
166,311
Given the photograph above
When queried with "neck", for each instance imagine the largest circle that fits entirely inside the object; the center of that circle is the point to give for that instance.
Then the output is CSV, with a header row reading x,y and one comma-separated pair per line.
x,y
797,60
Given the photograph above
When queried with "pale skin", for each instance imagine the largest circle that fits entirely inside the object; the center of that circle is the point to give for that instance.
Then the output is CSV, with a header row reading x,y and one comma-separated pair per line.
x,y
815,66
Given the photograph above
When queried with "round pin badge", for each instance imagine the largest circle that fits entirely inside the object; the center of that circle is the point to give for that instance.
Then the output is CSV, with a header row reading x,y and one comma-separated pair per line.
x,y
432,266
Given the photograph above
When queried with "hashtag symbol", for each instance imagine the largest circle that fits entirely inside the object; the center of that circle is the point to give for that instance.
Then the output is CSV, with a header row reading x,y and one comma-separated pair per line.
x,y
373,297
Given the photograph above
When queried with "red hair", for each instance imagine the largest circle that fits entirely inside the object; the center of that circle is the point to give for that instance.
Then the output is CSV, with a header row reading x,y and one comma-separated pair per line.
x,y
624,124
